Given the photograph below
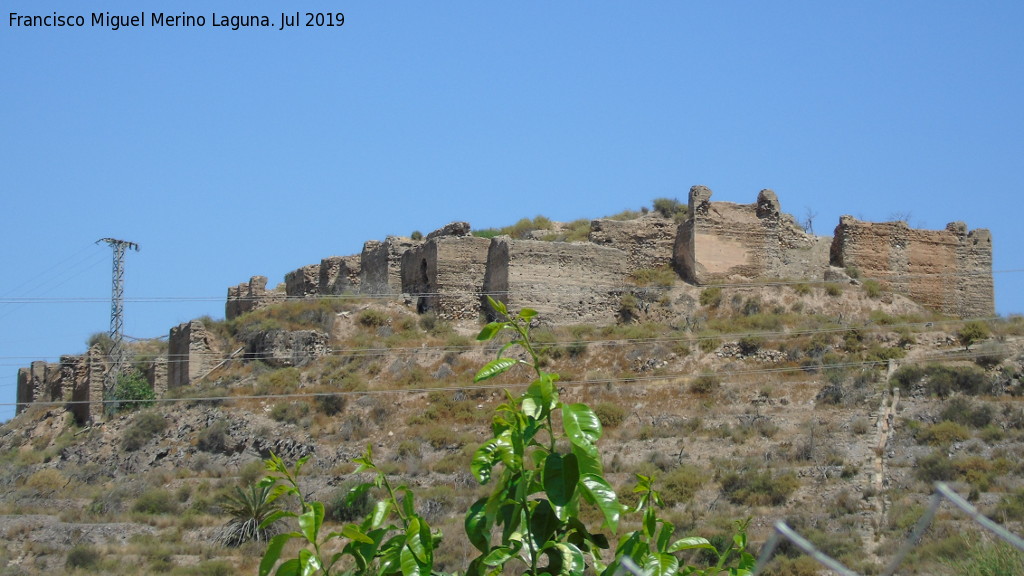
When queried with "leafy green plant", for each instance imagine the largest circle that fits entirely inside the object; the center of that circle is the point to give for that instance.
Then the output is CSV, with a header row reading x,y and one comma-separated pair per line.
x,y
547,478
972,332
132,391
82,556
652,549
249,509
142,430
671,208
375,545
536,498
711,297
872,288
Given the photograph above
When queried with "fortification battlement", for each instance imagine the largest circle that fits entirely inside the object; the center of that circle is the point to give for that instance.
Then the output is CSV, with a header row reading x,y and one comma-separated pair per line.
x,y
450,272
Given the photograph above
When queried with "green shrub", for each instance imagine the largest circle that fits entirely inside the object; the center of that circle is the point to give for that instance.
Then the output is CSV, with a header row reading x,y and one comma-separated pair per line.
x,y
289,412
972,332
752,486
935,467
145,426
990,354
155,501
329,404
942,381
981,556
711,297
281,381
705,384
373,318
709,343
962,411
664,276
249,509
132,391
834,289
750,345
670,208
872,288
82,556
343,506
1010,507
610,414
943,433
213,438
629,306
679,485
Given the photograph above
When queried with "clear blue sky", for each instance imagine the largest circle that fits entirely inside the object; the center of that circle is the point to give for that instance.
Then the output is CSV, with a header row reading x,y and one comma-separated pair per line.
x,y
227,154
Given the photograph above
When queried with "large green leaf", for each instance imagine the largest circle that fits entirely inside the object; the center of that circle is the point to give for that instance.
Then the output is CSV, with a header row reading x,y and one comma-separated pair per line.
x,y
309,563
273,552
494,367
419,540
581,425
598,492
561,474
411,566
527,313
564,559
490,331
495,450
352,532
498,306
589,460
311,520
499,556
478,525
391,555
543,523
660,564
292,567
379,514
690,543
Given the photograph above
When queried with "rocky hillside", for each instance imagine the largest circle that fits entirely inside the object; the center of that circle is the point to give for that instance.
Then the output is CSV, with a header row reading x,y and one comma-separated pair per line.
x,y
833,407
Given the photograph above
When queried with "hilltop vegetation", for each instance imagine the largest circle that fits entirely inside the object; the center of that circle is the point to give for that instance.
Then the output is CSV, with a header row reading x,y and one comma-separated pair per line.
x,y
768,402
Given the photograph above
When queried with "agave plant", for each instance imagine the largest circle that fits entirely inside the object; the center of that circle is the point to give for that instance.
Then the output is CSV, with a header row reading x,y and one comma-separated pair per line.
x,y
248,509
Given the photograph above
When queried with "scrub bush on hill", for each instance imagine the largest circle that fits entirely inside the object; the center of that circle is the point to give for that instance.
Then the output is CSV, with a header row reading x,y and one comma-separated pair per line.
x,y
547,480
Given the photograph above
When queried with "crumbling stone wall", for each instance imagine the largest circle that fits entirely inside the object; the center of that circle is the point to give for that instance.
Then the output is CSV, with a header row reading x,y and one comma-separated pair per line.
x,y
192,352
85,374
249,296
334,275
33,385
76,379
339,275
647,242
283,348
445,274
381,264
723,241
948,270
303,282
567,283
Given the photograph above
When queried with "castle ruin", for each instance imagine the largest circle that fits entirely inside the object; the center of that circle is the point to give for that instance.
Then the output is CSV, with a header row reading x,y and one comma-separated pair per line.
x,y
450,272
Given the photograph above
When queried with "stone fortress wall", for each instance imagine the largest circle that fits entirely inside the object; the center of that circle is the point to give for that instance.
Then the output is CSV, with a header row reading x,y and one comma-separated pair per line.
x,y
450,272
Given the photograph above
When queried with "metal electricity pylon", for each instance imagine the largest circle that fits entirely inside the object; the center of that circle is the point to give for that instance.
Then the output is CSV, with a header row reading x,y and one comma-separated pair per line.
x,y
117,354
